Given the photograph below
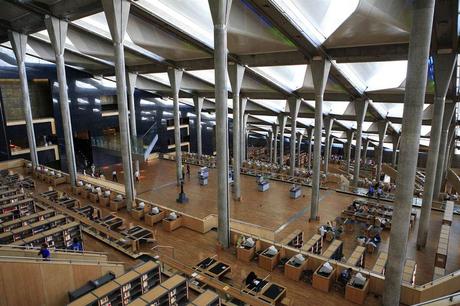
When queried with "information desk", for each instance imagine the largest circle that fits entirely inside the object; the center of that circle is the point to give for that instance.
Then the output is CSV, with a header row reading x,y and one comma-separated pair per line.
x,y
295,193
207,298
293,270
268,261
323,282
152,219
314,245
356,294
171,225
263,186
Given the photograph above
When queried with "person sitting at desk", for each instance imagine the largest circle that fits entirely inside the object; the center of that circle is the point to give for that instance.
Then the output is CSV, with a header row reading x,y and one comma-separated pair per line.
x,y
155,210
326,269
359,281
172,216
345,276
250,278
293,187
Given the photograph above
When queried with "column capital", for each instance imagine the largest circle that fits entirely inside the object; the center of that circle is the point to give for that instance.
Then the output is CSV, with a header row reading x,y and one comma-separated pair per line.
x,y
220,11
175,79
57,32
117,14
236,74
19,44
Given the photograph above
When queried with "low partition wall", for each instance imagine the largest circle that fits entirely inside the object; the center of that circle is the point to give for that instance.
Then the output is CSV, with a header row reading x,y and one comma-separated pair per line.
x,y
266,237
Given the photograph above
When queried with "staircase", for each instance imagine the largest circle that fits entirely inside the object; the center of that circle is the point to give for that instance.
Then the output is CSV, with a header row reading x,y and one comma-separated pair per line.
x,y
141,146
454,180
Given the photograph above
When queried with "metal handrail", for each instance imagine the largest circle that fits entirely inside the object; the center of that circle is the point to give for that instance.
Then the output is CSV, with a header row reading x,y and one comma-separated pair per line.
x,y
449,297
166,247
61,260
22,247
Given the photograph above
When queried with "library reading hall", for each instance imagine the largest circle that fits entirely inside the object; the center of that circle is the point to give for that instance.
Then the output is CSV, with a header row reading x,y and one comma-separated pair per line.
x,y
229,152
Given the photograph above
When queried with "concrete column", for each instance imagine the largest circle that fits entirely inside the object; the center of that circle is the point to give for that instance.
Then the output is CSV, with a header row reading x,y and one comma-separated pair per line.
x,y
443,68
243,121
365,149
383,126
236,73
320,71
19,43
331,144
361,109
198,102
270,146
350,134
275,145
57,32
310,140
417,67
117,13
395,138
175,79
449,109
328,122
245,137
131,79
450,150
294,105
282,122
299,145
220,10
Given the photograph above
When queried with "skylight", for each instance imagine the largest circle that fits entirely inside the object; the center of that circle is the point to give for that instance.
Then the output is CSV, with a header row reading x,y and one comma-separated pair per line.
x,y
290,77
375,75
317,19
191,16
275,105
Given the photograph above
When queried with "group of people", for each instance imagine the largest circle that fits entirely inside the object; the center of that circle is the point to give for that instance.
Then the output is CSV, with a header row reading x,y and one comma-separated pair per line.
x,y
45,252
100,174
375,189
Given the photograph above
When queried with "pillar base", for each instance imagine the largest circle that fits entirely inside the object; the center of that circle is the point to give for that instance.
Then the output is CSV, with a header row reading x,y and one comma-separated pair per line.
x,y
314,219
182,198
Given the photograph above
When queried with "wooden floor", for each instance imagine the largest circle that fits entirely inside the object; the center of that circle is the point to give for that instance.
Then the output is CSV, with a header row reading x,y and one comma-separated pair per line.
x,y
273,209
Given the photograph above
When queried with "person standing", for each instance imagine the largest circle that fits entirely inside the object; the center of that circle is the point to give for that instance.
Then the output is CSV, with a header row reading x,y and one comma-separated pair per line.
x,y
136,175
188,170
114,176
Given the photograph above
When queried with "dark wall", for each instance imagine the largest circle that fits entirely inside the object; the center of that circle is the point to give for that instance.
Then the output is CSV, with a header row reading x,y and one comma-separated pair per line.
x,y
87,98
